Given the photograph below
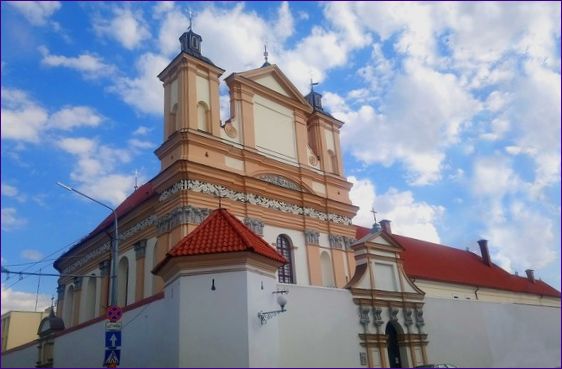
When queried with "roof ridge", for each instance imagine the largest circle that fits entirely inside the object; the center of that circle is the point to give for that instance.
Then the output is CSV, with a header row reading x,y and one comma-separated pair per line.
x,y
235,223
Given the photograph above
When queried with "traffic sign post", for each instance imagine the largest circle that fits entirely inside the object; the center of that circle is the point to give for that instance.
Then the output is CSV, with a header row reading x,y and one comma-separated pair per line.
x,y
113,339
112,358
113,327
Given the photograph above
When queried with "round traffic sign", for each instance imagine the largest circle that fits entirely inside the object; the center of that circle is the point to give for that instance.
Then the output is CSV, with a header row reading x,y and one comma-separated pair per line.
x,y
114,313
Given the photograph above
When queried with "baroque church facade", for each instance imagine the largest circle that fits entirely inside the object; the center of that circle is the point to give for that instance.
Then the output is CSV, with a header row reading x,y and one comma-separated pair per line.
x,y
247,210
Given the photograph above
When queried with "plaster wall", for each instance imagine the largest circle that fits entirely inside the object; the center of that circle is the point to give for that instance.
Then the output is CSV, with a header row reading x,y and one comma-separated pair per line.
x,y
483,334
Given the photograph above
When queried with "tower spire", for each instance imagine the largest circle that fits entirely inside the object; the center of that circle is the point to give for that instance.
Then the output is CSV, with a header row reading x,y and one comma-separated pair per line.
x,y
265,56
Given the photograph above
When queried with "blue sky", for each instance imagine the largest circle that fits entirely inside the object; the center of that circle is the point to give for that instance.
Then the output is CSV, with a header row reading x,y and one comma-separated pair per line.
x,y
451,111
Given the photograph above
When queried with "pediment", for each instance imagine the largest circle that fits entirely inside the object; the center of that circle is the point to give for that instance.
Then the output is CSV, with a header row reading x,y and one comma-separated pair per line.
x,y
379,238
274,79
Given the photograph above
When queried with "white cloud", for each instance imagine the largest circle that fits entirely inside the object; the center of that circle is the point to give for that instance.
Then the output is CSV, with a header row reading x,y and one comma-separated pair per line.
x,y
494,177
409,217
11,220
96,170
22,119
36,12
284,27
416,133
144,92
75,116
32,255
13,300
126,27
12,192
140,144
142,131
90,65
25,120
514,238
9,191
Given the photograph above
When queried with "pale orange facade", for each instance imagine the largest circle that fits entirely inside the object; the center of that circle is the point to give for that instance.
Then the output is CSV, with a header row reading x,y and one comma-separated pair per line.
x,y
276,164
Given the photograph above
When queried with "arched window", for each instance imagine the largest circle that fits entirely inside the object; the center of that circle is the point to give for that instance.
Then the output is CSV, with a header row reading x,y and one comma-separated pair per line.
x,y
90,303
285,273
203,117
123,282
68,307
327,270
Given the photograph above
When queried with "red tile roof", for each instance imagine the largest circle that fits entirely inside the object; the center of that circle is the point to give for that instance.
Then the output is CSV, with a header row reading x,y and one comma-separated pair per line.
x,y
222,232
431,261
135,199
141,194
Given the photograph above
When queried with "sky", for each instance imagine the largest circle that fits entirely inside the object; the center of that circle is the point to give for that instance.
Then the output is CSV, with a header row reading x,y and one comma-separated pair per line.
x,y
452,115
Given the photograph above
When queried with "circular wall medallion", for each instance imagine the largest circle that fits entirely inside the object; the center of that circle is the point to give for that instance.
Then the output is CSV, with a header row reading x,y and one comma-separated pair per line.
x,y
230,130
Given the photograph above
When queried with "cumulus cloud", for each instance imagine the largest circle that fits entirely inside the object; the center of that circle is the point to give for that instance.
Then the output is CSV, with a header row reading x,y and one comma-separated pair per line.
x,y
13,300
31,255
89,65
11,220
25,120
126,26
97,168
409,217
36,12
144,92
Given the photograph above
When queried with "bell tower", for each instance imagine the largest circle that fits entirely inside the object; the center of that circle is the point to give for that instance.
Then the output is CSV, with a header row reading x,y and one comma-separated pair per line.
x,y
191,97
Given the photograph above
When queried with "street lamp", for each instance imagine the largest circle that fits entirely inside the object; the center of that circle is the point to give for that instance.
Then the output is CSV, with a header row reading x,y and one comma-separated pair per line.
x,y
114,244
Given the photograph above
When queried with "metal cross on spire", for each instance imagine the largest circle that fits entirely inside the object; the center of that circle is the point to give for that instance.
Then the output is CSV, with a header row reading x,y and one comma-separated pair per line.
x,y
312,84
374,214
265,53
190,19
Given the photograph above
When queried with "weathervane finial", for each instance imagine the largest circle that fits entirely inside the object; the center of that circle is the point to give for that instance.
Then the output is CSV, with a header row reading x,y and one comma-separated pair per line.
x,y
190,19
265,53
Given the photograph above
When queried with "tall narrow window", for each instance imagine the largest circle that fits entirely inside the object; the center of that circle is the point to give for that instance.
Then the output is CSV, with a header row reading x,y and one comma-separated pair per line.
x,y
203,117
123,282
285,273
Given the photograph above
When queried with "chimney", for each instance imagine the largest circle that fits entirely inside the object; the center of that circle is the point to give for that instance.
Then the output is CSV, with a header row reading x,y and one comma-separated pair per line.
x,y
485,252
385,224
530,275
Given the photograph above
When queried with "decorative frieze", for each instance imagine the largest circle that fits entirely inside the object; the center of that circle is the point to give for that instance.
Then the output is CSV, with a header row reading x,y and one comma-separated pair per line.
x,y
223,192
94,254
280,181
311,237
255,225
140,249
142,225
182,215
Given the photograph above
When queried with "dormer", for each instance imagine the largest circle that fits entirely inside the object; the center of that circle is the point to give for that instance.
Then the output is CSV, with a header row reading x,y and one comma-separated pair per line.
x,y
270,113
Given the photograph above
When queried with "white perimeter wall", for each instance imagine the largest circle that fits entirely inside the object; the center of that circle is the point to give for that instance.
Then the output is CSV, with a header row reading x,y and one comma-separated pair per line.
x,y
483,334
319,329
147,335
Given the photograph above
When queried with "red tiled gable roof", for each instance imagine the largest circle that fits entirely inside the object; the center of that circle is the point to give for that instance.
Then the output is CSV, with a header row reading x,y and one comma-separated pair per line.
x,y
131,202
431,261
222,232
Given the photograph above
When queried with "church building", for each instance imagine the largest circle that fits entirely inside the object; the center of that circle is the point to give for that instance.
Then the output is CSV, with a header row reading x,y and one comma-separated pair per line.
x,y
241,252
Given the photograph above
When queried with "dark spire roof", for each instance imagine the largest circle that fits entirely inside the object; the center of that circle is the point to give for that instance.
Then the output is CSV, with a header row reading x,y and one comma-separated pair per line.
x,y
191,44
314,98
